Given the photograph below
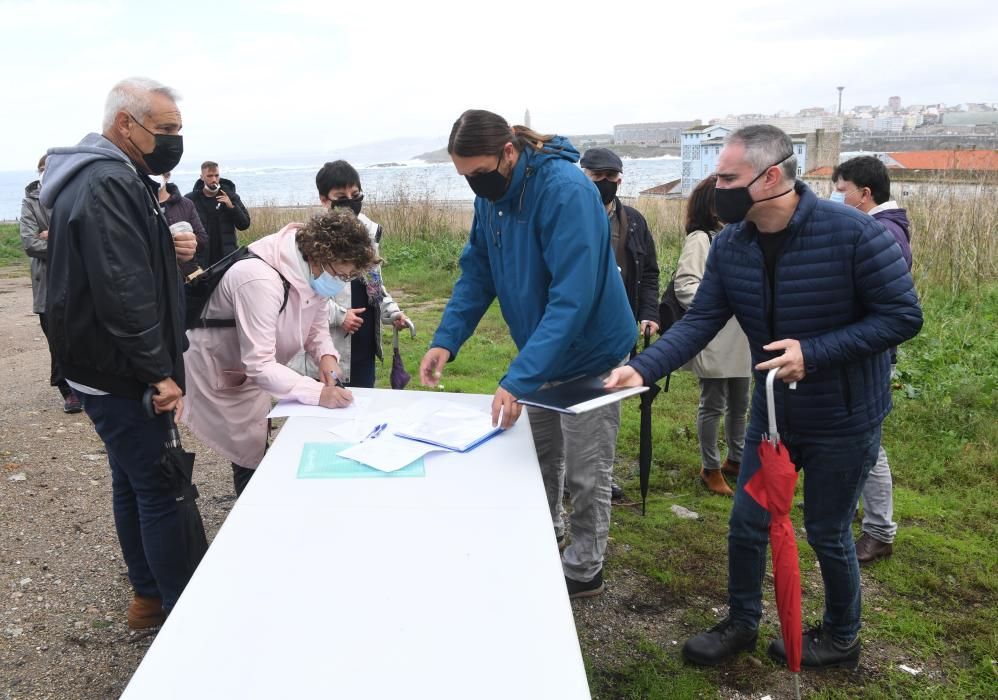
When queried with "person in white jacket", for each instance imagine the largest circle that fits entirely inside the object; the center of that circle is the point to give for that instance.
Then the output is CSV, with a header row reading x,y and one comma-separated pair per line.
x,y
358,311
724,366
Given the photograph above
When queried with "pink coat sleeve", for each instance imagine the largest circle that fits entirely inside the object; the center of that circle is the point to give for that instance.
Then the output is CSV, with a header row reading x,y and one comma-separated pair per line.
x,y
256,305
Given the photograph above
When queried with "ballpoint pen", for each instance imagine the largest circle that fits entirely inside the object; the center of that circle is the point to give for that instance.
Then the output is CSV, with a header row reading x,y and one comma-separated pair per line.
x,y
378,429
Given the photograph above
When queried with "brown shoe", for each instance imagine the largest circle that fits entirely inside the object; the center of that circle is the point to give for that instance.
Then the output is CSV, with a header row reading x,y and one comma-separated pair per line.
x,y
870,549
144,613
714,481
731,468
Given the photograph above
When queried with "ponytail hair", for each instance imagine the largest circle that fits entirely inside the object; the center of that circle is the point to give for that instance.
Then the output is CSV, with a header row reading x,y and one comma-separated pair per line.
x,y
479,132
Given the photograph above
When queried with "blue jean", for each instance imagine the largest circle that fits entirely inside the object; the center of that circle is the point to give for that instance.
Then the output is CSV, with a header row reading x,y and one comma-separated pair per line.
x,y
834,469
145,513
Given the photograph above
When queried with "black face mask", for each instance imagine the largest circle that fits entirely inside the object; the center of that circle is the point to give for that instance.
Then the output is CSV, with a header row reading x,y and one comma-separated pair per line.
x,y
354,204
165,155
607,190
733,204
491,185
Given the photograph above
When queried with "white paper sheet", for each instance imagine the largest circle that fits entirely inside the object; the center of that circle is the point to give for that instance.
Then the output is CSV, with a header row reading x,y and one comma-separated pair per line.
x,y
387,452
291,408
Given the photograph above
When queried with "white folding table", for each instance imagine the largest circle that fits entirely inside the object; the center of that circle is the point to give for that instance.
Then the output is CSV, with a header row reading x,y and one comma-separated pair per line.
x,y
442,586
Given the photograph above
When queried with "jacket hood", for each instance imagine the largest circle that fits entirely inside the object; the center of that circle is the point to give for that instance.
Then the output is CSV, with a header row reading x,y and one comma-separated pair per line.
x,y
64,162
32,189
899,217
227,185
280,251
558,148
174,193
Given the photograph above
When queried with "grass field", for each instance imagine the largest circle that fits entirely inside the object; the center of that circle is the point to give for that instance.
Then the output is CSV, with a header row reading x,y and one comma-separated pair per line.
x,y
932,606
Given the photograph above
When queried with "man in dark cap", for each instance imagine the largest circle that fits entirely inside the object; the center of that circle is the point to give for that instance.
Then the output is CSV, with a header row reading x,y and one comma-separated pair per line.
x,y
629,237
632,244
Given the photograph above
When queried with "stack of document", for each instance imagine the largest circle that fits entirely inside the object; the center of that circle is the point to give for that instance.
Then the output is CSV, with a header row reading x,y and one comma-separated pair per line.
x,y
451,427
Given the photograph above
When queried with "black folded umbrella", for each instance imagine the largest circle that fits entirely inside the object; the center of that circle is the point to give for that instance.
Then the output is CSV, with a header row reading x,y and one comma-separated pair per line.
x,y
177,467
399,378
644,441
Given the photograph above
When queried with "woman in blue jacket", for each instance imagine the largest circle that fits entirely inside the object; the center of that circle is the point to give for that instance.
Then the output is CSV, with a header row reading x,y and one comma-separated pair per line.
x,y
540,244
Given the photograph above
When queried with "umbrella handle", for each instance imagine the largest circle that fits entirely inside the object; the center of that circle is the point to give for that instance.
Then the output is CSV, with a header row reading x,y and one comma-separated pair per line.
x,y
647,336
395,334
774,435
172,434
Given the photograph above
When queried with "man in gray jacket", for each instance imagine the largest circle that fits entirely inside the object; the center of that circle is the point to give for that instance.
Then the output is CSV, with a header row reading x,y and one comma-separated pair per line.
x,y
35,239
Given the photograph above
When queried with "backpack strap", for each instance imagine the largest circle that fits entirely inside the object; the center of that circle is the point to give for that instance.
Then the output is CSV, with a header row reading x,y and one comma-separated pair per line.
x,y
231,322
284,280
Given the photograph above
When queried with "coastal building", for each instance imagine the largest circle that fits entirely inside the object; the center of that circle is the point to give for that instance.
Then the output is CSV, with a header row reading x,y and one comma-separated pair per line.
x,y
651,133
975,118
791,125
701,146
916,173
667,190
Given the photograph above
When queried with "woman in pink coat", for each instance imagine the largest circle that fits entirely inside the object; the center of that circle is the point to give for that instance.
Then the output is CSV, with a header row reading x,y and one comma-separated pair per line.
x,y
232,373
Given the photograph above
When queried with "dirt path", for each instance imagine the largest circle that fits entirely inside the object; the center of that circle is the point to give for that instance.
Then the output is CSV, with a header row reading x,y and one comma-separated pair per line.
x,y
63,590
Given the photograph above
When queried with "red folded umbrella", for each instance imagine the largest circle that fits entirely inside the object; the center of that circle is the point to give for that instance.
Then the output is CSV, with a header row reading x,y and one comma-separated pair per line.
x,y
772,487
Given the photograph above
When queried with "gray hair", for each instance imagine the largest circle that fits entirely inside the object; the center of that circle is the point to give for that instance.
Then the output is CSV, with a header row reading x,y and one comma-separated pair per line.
x,y
765,145
132,95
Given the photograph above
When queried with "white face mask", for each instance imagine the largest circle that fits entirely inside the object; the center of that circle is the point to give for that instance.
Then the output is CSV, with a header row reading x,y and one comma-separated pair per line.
x,y
840,197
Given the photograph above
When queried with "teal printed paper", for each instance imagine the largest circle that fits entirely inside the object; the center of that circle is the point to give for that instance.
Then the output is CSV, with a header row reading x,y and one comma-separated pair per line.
x,y
320,461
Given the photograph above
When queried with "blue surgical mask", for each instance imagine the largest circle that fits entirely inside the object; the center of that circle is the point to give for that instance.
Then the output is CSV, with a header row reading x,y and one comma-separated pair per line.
x,y
837,196
326,285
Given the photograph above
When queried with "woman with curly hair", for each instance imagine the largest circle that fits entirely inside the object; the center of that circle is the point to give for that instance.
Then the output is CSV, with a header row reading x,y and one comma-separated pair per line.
x,y
278,300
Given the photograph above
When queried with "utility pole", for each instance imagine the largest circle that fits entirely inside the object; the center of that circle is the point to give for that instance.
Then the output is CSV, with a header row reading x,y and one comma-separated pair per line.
x,y
840,89
526,119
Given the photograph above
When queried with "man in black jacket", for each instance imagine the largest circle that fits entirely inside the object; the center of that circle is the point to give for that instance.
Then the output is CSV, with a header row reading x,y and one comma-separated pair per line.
x,y
629,236
221,211
632,245
115,319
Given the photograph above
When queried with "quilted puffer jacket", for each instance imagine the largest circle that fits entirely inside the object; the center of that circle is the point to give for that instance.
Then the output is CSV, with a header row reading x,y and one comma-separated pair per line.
x,y
842,289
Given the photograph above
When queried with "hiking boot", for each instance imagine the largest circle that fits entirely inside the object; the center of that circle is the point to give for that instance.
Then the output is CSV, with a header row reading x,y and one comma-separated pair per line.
x,y
870,549
72,404
819,650
714,481
144,613
731,468
616,492
719,643
585,589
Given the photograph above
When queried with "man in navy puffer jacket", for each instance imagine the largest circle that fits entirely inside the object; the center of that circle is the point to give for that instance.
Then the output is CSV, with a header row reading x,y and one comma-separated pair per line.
x,y
822,292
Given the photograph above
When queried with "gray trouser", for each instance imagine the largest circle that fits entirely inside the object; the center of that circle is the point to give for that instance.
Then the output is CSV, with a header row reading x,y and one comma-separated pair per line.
x,y
728,397
878,501
580,449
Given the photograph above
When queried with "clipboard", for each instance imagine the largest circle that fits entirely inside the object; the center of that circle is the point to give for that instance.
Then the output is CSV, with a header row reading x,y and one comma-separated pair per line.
x,y
579,396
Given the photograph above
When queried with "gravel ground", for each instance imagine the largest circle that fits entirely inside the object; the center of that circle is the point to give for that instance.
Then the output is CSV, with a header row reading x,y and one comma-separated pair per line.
x,y
63,589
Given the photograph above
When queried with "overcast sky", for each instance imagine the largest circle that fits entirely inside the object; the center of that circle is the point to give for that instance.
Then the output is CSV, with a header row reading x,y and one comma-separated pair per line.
x,y
260,78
